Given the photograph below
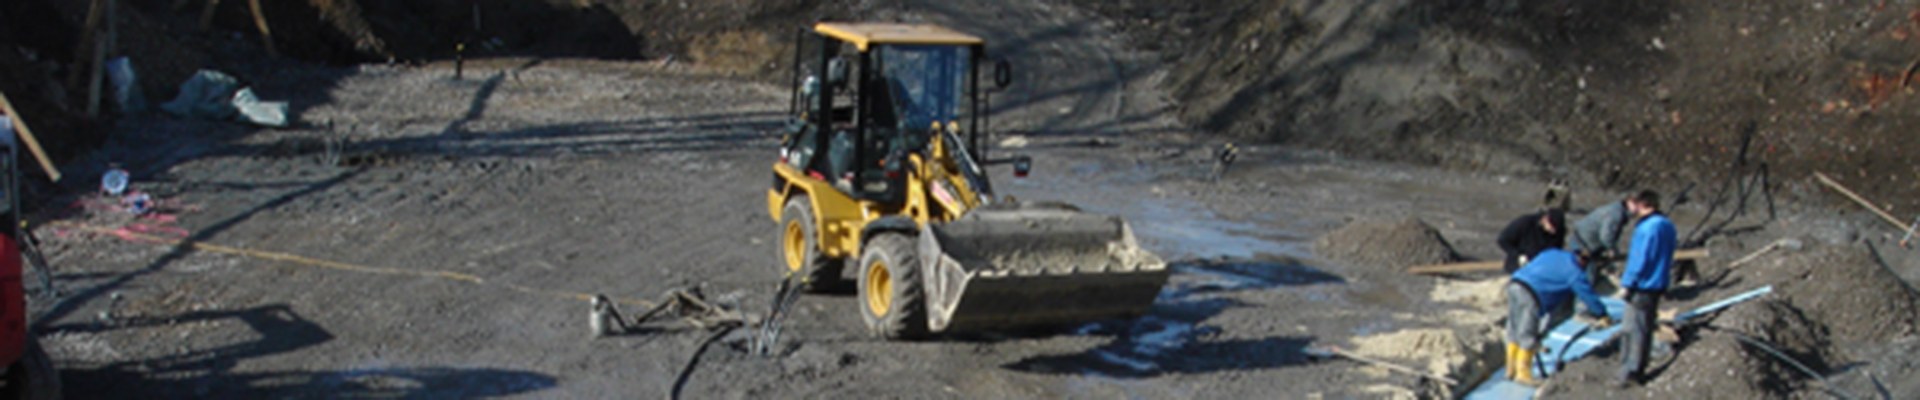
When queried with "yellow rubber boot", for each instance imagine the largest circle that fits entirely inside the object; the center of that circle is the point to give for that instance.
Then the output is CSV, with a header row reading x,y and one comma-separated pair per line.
x,y
1513,351
1523,367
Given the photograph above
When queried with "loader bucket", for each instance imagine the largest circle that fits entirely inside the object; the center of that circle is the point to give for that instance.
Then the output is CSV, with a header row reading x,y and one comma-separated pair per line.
x,y
995,269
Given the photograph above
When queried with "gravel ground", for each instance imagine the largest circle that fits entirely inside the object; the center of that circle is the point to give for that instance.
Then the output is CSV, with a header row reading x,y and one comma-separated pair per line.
x,y
443,249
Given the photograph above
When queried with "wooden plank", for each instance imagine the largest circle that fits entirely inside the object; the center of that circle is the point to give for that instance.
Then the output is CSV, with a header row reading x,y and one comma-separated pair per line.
x,y
26,136
99,71
1331,351
80,49
206,15
1476,266
260,21
1457,267
1863,202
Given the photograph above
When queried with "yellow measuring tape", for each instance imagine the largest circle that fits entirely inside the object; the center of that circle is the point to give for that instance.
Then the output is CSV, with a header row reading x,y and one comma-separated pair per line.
x,y
315,262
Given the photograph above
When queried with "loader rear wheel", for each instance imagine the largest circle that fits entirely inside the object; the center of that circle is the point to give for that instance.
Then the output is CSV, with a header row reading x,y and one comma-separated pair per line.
x,y
800,247
891,300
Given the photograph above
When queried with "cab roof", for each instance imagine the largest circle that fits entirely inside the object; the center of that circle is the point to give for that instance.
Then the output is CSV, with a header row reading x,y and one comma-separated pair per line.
x,y
866,34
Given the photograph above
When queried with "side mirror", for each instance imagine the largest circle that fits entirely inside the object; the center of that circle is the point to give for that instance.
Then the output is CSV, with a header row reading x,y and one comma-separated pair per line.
x,y
1002,74
1022,166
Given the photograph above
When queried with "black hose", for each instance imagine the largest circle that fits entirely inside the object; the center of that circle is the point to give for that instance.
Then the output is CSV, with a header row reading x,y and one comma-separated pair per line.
x,y
680,382
1777,354
783,301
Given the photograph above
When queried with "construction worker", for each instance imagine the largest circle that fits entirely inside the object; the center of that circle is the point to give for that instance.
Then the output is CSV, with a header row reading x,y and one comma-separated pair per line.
x,y
1598,233
1596,237
1531,233
1538,290
1649,266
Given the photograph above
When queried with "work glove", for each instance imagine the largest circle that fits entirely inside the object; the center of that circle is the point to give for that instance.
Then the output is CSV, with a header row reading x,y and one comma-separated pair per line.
x,y
1599,322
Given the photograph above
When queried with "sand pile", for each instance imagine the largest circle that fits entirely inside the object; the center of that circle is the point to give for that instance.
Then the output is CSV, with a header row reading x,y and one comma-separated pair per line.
x,y
1484,301
1385,244
1436,350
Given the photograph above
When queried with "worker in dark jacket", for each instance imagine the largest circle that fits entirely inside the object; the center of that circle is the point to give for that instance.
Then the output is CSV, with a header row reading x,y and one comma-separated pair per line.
x,y
1530,234
1648,270
1536,291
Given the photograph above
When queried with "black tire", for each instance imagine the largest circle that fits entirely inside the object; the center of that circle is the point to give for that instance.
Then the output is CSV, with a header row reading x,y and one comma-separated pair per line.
x,y
822,272
33,377
890,267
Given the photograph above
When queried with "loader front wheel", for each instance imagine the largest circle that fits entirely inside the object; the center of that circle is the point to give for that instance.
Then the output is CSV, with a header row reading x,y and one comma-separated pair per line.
x,y
891,300
33,377
800,247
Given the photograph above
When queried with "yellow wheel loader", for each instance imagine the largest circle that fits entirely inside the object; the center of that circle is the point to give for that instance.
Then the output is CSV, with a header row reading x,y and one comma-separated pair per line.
x,y
882,177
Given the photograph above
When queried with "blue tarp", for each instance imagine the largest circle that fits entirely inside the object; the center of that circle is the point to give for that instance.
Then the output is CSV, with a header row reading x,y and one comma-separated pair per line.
x,y
1573,339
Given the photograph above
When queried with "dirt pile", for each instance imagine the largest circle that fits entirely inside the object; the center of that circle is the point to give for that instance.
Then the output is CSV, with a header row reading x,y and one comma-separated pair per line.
x,y
1625,93
1386,245
1715,363
353,31
1710,366
1828,303
1844,288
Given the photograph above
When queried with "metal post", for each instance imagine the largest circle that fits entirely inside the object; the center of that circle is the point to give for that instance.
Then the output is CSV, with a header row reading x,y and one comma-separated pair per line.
x,y
459,60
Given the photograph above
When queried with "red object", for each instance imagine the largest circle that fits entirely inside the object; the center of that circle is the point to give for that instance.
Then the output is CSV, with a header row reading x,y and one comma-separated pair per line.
x,y
13,302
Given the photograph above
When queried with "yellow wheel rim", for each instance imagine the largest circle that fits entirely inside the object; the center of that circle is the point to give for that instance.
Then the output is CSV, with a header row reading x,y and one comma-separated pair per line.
x,y
795,246
879,288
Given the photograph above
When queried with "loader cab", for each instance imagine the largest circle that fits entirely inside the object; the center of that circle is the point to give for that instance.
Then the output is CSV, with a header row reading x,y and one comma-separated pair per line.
x,y
867,95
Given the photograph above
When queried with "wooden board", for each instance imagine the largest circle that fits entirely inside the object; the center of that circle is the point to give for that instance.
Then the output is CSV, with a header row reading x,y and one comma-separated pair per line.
x,y
1835,185
1476,266
260,21
26,136
81,52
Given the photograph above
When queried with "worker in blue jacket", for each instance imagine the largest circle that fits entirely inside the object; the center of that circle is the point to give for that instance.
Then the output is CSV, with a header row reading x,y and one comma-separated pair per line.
x,y
1536,291
1648,270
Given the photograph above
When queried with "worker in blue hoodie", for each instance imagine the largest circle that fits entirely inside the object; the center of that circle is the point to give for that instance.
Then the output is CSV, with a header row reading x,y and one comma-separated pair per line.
x,y
1649,268
1536,291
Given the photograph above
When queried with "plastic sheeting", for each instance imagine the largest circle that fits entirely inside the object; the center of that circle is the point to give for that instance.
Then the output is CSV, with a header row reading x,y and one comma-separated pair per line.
x,y
126,86
218,96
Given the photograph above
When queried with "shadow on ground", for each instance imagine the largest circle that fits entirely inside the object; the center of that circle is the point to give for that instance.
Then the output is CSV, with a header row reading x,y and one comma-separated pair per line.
x,y
1170,340
276,329
1174,338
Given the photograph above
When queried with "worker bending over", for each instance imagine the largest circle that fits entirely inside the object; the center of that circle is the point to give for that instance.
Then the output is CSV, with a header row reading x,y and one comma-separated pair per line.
x,y
1538,290
1531,233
